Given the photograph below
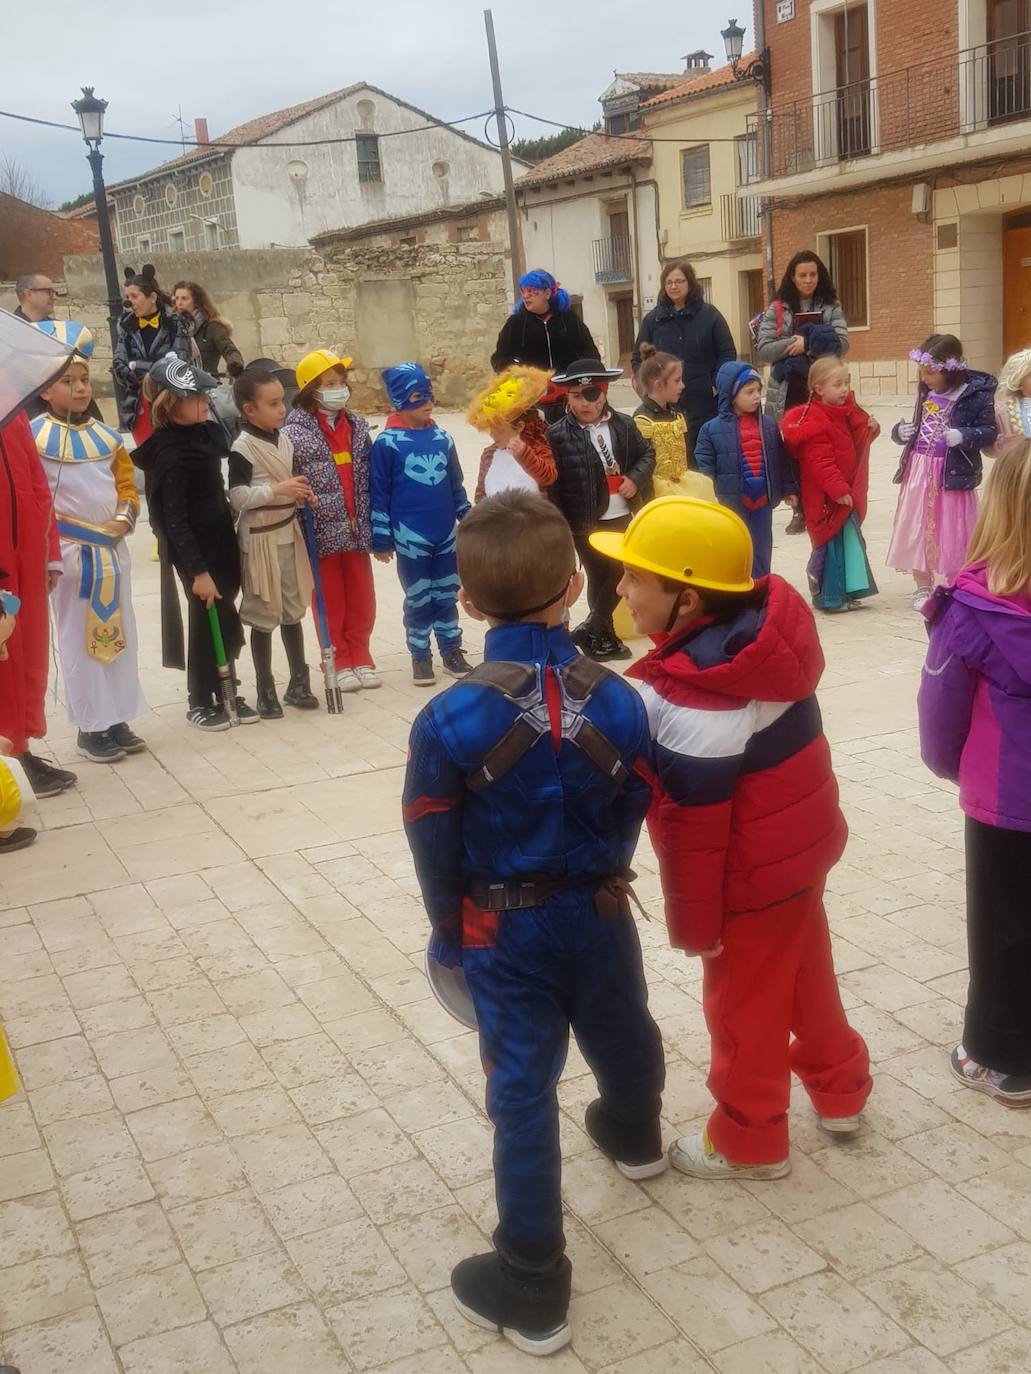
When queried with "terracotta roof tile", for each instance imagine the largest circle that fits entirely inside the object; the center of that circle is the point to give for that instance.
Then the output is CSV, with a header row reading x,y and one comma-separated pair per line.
x,y
589,154
699,85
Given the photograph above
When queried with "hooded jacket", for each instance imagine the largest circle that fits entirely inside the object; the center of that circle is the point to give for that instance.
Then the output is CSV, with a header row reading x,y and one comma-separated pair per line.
x,y
974,416
700,337
718,450
975,698
551,342
831,445
746,814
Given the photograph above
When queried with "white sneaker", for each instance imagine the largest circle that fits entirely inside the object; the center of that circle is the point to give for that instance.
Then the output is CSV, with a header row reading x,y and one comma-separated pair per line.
x,y
698,1156
921,597
367,678
838,1125
348,680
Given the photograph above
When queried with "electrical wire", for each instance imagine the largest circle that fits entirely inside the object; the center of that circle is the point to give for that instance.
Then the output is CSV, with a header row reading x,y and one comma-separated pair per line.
x,y
638,136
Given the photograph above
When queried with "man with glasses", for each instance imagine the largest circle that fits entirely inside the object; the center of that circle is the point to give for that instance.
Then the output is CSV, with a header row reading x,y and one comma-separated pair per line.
x,y
36,296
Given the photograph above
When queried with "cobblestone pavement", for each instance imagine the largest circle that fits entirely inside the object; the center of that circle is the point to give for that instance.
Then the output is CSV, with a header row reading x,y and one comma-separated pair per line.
x,y
250,1141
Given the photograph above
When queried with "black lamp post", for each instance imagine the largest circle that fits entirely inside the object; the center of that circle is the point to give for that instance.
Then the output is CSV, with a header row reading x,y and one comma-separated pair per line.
x,y
90,111
758,70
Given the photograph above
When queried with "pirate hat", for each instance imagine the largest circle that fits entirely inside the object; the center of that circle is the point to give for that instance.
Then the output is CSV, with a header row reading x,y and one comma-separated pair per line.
x,y
586,370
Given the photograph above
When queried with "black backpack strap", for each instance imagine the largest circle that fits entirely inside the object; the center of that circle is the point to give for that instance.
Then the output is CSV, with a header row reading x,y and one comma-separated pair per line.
x,y
510,748
599,749
513,680
583,676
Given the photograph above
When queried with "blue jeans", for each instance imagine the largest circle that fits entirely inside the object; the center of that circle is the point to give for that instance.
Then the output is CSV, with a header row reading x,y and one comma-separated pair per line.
x,y
553,967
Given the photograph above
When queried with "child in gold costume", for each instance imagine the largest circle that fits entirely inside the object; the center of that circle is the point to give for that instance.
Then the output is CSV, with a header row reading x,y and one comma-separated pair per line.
x,y
661,378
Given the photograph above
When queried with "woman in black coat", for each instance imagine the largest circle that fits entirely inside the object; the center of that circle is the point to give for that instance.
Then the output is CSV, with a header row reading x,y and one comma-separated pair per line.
x,y
684,324
147,332
544,331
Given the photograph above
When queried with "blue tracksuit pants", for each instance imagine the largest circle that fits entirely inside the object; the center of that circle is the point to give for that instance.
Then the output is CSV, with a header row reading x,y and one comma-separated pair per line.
x,y
553,967
760,527
429,576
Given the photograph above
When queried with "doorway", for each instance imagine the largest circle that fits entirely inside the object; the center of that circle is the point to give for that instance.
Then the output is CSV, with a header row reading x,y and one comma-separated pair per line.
x,y
1016,289
1009,60
625,331
852,78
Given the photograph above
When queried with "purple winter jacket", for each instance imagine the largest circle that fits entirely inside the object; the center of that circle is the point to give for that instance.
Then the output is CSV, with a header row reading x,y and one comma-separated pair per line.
x,y
975,698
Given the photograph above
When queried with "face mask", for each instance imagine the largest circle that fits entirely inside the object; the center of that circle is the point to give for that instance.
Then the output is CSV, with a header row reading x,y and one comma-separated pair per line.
x,y
334,397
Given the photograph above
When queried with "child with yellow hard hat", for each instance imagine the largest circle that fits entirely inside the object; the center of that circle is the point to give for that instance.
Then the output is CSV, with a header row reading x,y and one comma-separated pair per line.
x,y
746,827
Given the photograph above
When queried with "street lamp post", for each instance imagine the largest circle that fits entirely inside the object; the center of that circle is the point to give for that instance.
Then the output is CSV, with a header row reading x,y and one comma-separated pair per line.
x,y
90,111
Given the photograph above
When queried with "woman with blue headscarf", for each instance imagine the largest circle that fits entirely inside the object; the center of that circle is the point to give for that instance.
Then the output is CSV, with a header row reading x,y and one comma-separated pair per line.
x,y
544,331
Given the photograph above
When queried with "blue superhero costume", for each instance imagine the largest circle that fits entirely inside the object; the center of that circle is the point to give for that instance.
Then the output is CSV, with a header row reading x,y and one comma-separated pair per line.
x,y
526,788
417,497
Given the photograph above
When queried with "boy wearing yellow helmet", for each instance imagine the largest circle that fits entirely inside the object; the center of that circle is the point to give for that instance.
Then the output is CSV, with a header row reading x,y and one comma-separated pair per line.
x,y
746,827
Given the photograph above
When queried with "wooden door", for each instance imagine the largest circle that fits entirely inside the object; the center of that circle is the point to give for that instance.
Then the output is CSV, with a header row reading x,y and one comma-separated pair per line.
x,y
852,76
625,331
1009,60
1016,290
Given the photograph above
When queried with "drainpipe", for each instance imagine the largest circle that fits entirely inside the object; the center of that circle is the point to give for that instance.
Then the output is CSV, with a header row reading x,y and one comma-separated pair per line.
x,y
759,15
636,258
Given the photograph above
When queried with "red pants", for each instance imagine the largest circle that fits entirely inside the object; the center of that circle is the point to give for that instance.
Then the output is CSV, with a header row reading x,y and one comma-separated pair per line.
x,y
350,606
774,979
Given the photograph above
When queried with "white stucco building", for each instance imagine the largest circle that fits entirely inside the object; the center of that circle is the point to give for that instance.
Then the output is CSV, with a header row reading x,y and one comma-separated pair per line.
x,y
253,187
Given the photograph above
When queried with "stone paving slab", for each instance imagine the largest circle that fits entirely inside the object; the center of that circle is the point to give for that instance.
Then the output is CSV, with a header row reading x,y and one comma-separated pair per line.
x,y
249,1140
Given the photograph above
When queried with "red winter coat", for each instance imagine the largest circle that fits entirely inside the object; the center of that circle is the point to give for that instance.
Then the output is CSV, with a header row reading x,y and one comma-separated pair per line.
x,y
831,445
746,814
25,548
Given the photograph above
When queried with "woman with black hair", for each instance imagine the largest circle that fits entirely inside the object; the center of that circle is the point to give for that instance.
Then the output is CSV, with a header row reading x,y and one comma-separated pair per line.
x,y
684,324
148,331
798,325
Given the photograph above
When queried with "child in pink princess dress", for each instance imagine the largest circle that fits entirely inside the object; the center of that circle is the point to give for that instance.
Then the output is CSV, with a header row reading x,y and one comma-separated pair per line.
x,y
940,468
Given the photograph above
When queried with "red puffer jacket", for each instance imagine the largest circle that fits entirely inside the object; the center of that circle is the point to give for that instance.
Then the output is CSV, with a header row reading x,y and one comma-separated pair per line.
x,y
831,445
746,813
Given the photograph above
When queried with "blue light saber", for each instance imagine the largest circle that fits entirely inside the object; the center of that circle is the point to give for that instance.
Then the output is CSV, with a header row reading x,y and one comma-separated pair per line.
x,y
334,696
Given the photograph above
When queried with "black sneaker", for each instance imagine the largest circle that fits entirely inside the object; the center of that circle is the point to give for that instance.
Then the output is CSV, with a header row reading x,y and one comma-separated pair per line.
x,y
455,663
610,647
422,672
98,747
531,1312
245,714
636,1152
796,525
19,838
268,703
44,778
588,641
209,718
299,692
125,739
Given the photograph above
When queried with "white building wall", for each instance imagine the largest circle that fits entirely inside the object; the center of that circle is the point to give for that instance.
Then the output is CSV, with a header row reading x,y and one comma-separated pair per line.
x,y
284,196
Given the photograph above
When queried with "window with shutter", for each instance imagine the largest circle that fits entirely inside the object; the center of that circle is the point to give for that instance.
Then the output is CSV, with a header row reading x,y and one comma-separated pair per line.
x,y
846,258
697,184
367,147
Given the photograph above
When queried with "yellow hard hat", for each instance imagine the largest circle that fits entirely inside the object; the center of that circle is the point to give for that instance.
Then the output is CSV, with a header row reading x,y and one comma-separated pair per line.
x,y
695,542
313,365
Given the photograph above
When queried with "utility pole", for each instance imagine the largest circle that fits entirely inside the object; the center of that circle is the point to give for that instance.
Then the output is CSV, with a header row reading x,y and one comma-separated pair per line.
x,y
514,240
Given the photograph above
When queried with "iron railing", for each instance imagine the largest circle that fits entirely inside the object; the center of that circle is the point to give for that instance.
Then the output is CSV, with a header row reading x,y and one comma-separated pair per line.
x,y
612,260
739,216
961,93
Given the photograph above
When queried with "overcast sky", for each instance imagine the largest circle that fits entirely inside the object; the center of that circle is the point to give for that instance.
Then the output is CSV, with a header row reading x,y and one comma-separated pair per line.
x,y
230,60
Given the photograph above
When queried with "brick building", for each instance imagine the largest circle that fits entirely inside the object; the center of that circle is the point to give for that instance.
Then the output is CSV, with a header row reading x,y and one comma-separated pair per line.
x,y
34,240
896,143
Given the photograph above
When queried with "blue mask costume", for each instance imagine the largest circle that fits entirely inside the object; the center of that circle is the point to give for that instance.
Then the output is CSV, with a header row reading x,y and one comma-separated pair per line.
x,y
417,498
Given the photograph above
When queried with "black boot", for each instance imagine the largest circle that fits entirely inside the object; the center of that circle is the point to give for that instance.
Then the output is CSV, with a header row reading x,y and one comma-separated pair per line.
x,y
261,652
530,1309
796,525
298,692
635,1150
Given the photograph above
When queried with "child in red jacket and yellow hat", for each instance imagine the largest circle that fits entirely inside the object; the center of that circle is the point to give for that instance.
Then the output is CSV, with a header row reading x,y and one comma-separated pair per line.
x,y
745,825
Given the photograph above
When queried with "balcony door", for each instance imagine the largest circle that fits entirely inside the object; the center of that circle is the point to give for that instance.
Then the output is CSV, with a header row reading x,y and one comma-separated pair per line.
x,y
1009,60
852,78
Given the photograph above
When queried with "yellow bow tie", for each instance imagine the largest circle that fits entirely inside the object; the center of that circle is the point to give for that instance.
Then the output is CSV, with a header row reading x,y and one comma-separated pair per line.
x,y
151,323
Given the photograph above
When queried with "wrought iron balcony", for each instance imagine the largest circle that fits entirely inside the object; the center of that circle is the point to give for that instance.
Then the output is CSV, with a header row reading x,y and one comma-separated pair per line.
x,y
960,93
613,260
739,216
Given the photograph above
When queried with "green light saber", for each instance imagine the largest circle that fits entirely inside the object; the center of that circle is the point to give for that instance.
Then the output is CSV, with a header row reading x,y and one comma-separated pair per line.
x,y
225,677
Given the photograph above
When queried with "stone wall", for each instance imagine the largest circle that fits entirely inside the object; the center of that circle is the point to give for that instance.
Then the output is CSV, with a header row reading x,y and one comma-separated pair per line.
x,y
441,304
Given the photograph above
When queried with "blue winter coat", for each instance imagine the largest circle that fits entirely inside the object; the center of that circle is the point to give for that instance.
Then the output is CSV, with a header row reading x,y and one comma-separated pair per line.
x,y
974,416
700,337
718,450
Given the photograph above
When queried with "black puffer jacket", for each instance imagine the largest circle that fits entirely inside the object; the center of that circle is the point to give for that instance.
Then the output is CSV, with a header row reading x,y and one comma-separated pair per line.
x,y
580,492
700,337
143,348
550,342
974,416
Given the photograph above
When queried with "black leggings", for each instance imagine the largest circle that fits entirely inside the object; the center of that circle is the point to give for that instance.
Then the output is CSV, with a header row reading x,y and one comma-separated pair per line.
x,y
202,682
603,575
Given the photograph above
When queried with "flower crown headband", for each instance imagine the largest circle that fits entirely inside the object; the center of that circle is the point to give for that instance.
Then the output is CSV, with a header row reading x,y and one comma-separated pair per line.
x,y
939,364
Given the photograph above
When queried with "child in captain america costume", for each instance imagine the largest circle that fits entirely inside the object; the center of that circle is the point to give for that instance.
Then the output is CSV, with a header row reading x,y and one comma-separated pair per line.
x,y
417,499
525,792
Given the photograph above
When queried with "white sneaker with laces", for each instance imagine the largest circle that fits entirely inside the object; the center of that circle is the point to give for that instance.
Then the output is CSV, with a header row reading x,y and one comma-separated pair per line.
x,y
367,678
348,680
839,1125
698,1156
921,597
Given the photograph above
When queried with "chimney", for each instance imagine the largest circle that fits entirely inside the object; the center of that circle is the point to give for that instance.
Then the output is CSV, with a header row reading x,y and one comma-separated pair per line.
x,y
697,62
200,130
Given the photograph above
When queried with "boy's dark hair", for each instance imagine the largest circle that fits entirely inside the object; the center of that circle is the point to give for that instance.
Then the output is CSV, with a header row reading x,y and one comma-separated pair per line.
x,y
249,383
515,554
718,604
942,347
825,293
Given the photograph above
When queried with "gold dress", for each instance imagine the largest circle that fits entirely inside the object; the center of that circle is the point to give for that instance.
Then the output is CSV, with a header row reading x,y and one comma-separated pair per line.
x,y
667,432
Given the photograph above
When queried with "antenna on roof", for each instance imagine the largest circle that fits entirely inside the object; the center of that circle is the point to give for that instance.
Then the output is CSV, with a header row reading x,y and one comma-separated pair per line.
x,y
178,119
